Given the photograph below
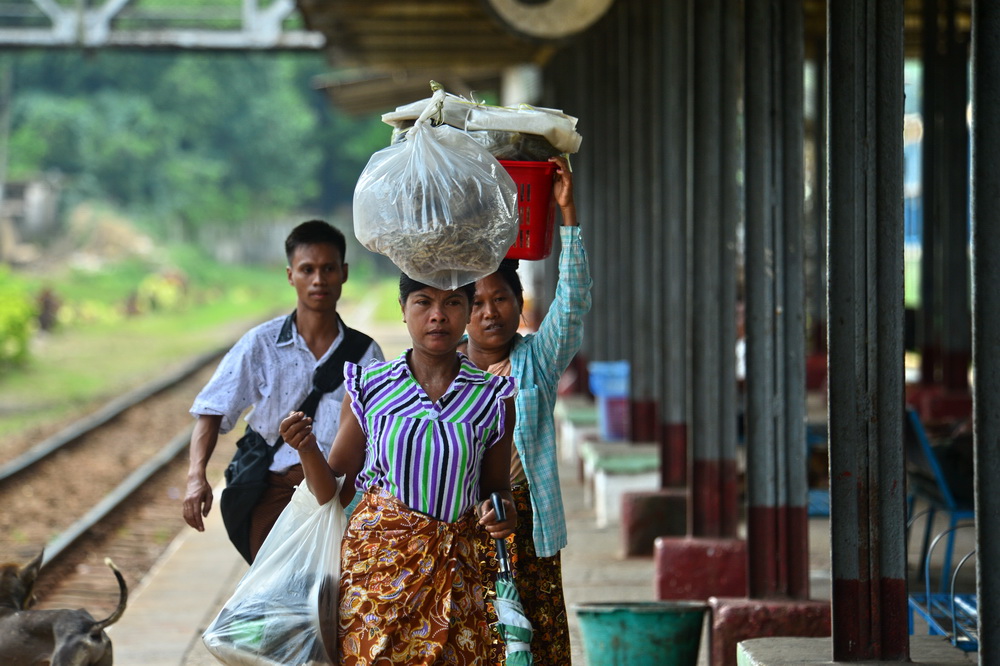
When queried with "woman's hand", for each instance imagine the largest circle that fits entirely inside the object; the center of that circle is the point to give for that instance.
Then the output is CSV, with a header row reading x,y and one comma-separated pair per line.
x,y
296,431
488,518
562,191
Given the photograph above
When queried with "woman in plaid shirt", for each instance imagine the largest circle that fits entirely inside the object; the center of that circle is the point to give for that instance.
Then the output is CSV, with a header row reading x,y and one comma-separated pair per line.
x,y
536,361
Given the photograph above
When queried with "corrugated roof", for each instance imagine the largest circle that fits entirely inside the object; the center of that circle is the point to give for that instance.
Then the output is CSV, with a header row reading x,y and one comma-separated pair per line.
x,y
383,52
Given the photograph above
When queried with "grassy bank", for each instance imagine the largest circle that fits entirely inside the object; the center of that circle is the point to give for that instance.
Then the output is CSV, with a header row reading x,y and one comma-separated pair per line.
x,y
99,351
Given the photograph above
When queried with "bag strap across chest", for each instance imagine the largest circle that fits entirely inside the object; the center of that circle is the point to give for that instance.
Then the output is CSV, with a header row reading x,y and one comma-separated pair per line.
x,y
330,375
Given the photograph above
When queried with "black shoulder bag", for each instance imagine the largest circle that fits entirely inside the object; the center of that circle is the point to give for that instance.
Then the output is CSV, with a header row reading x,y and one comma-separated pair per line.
x,y
246,475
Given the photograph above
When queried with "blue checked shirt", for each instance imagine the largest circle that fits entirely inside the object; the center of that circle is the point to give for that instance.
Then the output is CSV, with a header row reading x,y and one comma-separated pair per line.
x,y
538,360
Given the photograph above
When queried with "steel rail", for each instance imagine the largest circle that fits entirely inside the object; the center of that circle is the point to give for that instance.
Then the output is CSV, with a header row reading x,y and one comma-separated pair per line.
x,y
59,544
103,415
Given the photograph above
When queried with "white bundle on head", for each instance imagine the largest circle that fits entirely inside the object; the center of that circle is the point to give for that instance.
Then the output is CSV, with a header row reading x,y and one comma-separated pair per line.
x,y
438,205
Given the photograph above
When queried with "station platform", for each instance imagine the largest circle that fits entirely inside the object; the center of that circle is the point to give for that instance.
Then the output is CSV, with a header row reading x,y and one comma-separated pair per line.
x,y
170,609
178,599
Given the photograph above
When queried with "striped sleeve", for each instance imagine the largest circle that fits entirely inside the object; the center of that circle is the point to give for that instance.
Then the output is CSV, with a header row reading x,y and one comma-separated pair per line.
x,y
353,374
505,387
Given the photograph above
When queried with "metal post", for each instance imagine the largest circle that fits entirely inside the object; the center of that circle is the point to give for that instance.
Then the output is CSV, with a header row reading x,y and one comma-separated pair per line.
x,y
762,477
955,307
986,316
705,508
792,58
603,310
658,307
776,467
865,297
619,188
886,449
613,282
818,333
729,168
638,46
774,515
676,315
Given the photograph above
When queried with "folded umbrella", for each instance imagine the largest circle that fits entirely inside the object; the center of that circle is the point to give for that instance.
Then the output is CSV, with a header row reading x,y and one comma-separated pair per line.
x,y
511,620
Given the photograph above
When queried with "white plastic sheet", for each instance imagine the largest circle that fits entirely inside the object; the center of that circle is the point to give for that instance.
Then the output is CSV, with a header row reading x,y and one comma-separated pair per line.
x,y
557,127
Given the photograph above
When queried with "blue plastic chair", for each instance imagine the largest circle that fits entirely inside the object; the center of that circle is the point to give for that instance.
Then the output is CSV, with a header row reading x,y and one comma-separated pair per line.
x,y
927,481
948,613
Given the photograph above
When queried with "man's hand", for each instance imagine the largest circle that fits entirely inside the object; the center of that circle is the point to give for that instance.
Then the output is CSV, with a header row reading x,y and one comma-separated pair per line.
x,y
197,502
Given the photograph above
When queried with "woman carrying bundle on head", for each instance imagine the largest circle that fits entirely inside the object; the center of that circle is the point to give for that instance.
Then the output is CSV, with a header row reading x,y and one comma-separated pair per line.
x,y
536,361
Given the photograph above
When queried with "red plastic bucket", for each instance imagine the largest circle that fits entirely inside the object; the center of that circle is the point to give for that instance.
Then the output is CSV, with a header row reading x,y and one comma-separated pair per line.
x,y
536,209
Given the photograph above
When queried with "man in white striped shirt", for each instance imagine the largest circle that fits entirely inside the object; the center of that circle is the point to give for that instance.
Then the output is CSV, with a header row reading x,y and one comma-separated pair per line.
x,y
271,369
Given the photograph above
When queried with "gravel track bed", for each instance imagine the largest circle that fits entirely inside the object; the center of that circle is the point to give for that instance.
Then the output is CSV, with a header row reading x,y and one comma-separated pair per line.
x,y
47,500
64,488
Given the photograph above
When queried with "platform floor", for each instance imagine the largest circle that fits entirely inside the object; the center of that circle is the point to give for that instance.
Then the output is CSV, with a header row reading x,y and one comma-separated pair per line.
x,y
171,608
181,596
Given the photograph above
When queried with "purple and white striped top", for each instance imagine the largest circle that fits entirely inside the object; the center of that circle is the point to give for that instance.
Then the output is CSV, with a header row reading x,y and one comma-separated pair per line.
x,y
429,455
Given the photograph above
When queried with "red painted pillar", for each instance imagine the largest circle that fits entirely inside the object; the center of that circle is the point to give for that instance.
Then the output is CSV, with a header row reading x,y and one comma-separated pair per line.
x,y
673,455
644,421
865,300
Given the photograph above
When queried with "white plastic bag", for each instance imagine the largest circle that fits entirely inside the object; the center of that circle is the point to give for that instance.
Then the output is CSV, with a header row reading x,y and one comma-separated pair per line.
x,y
284,609
438,205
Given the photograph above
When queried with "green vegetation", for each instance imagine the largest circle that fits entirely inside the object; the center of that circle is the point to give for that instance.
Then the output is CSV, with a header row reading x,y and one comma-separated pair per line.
x,y
163,162
17,319
99,348
911,279
181,141
105,338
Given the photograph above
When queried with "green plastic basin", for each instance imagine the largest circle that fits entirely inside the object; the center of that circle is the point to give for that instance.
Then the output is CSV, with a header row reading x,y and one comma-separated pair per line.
x,y
644,633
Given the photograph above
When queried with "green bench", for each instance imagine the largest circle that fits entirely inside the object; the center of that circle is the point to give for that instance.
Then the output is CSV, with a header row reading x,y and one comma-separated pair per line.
x,y
611,469
576,421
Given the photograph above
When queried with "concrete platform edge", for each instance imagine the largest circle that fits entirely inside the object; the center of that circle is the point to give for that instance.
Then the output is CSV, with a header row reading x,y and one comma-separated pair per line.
x,y
814,651
178,598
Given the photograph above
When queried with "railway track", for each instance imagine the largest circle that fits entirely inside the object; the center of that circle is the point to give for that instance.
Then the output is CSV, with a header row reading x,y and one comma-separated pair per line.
x,y
109,485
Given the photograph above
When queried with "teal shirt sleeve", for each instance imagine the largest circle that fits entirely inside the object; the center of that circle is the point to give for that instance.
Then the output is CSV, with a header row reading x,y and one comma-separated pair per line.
x,y
538,361
560,334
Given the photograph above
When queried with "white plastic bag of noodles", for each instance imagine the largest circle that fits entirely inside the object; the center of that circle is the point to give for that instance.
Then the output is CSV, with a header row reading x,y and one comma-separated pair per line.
x,y
438,205
493,124
284,609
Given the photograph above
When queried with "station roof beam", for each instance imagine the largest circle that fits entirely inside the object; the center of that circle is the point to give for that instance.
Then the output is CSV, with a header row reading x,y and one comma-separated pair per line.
x,y
235,25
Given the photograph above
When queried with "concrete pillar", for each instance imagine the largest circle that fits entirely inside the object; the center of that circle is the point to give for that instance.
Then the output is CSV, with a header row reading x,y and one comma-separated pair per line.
x,y
865,297
776,465
675,315
706,510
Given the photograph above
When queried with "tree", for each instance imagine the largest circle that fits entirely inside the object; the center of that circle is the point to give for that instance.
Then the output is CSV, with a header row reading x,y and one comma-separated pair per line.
x,y
187,139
